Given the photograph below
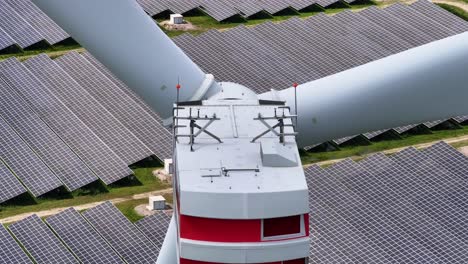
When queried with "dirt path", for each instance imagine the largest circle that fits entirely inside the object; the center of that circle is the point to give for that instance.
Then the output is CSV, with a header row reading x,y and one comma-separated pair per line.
x,y
459,4
456,3
83,206
391,151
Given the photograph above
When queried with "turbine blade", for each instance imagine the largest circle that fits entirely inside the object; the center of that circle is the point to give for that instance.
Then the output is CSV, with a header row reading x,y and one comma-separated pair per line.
x,y
126,40
422,84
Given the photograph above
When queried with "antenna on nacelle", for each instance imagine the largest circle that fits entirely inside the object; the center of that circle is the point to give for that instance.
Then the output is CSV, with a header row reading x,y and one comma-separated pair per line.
x,y
295,85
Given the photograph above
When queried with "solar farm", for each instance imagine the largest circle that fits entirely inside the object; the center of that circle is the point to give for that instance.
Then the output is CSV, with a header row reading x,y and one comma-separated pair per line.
x,y
67,123
405,208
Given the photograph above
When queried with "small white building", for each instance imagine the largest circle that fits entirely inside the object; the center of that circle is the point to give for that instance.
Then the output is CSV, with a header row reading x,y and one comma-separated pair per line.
x,y
176,19
156,203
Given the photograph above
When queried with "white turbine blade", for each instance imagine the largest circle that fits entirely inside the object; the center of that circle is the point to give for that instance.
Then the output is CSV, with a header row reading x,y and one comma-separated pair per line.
x,y
126,40
422,84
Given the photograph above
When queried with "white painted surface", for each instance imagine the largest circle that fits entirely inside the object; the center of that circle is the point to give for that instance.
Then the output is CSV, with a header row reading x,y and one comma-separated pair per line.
x,y
176,19
245,252
272,191
157,203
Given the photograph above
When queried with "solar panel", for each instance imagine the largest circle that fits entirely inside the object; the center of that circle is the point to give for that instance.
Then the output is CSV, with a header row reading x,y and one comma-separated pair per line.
x,y
243,71
374,134
326,59
440,15
444,190
461,119
404,129
121,85
280,70
280,37
349,37
373,32
122,235
420,21
93,114
182,6
34,174
405,201
153,7
15,26
396,26
217,9
121,105
273,6
155,227
87,245
394,243
48,29
10,187
433,124
341,237
5,40
45,143
92,150
10,251
40,241
343,140
448,157
353,50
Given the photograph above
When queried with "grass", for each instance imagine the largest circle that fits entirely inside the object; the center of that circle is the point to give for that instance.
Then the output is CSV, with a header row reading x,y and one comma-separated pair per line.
x,y
53,51
455,10
205,23
128,209
361,151
143,182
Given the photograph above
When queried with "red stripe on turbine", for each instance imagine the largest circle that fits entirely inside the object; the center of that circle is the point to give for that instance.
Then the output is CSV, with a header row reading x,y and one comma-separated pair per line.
x,y
220,230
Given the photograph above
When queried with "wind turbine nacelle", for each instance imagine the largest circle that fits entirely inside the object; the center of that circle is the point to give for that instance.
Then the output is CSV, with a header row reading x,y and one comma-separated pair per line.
x,y
241,194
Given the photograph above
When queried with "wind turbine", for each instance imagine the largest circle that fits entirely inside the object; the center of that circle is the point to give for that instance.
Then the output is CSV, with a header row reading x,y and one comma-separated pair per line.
x,y
239,188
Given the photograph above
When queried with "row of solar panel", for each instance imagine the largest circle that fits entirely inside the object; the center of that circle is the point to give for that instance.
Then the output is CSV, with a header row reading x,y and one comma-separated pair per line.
x,y
22,23
99,235
405,208
409,207
391,134
69,122
222,10
271,56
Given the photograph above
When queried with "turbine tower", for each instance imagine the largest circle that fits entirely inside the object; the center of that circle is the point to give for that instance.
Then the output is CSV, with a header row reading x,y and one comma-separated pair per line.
x,y
240,194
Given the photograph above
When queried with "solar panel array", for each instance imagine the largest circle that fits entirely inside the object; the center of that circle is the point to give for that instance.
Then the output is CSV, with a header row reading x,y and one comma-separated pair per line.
x,y
155,227
405,208
10,187
87,245
70,126
50,148
27,166
10,251
122,235
24,24
40,242
222,10
125,109
397,209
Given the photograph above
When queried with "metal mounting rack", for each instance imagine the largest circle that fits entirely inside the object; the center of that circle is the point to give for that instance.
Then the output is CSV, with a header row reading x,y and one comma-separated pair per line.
x,y
193,124
280,124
